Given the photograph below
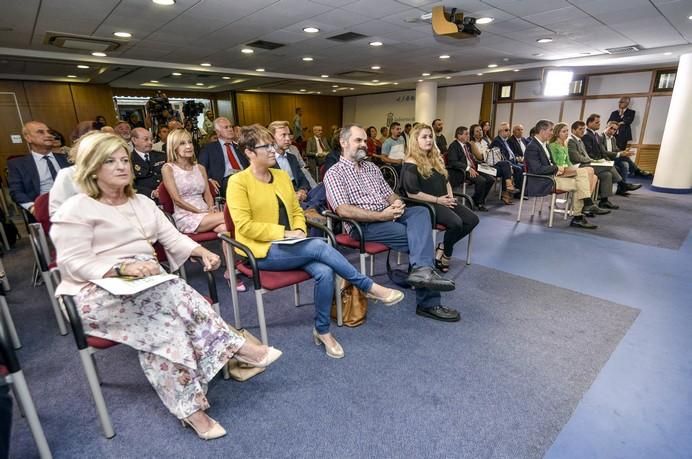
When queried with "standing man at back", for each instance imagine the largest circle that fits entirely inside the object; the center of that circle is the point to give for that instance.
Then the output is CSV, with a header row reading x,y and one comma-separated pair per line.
x,y
440,139
222,159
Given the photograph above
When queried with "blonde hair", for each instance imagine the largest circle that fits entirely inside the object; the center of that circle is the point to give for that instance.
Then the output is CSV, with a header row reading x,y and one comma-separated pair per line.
x,y
556,133
425,161
274,125
175,138
91,152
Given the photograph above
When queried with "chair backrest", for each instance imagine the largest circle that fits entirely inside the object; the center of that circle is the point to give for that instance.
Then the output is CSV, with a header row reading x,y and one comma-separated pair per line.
x,y
41,212
228,220
165,199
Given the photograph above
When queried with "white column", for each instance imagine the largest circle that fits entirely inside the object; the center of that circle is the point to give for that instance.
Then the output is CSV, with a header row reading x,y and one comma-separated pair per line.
x,y
674,166
426,101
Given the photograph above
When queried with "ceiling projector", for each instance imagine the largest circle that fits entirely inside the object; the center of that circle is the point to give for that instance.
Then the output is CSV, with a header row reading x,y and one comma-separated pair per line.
x,y
453,24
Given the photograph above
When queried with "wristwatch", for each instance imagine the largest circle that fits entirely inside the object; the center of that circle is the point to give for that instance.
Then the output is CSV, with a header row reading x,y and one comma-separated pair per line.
x,y
117,270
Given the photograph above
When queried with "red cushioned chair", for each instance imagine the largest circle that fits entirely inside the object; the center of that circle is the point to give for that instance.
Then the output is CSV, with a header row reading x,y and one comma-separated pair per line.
x,y
265,281
552,208
45,259
168,207
11,372
89,345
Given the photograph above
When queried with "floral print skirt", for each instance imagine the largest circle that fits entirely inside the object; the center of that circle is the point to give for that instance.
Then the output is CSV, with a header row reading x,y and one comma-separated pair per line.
x,y
182,341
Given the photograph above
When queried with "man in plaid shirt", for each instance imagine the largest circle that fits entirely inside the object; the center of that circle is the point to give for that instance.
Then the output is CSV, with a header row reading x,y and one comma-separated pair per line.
x,y
356,189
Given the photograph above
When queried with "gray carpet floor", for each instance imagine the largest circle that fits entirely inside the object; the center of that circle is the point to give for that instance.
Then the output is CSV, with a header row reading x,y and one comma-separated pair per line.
x,y
499,384
654,219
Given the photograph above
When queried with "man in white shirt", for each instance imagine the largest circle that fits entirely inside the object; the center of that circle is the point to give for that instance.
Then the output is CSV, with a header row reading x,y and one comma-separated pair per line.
x,y
34,174
163,136
622,160
394,147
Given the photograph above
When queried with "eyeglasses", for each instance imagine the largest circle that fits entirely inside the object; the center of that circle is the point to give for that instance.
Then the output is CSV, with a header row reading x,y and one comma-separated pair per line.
x,y
269,146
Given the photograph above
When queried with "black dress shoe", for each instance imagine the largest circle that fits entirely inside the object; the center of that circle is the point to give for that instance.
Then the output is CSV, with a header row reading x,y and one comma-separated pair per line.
x,y
427,277
586,213
632,186
644,173
481,208
439,313
594,209
608,205
622,193
582,223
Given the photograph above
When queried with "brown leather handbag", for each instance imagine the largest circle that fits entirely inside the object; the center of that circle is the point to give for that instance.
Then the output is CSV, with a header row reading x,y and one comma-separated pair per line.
x,y
354,305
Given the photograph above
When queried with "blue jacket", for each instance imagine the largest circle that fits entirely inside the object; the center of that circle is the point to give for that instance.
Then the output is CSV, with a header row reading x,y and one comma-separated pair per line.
x,y
212,157
24,182
538,163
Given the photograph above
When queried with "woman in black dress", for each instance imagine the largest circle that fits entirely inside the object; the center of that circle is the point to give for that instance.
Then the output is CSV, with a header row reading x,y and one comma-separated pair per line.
x,y
424,177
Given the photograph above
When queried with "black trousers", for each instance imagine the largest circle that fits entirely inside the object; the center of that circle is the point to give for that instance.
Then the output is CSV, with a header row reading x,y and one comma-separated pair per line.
x,y
482,185
5,420
460,221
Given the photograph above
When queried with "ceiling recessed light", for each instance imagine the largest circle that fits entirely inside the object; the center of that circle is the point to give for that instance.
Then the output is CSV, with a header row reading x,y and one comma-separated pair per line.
x,y
479,74
506,59
544,40
351,89
335,86
225,78
308,59
515,70
122,34
176,74
82,66
420,81
98,54
689,17
375,67
444,56
484,20
448,78
333,90
205,64
492,66
667,53
324,76
395,83
199,84
164,2
259,70
303,90
425,74
375,81
247,51
311,29
71,76
375,43
153,81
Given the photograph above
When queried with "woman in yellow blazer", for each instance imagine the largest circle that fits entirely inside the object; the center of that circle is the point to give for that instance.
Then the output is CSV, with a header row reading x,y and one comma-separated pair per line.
x,y
264,208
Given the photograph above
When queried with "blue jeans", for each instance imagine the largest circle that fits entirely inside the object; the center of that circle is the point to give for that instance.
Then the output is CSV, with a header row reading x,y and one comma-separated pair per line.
x,y
321,261
412,233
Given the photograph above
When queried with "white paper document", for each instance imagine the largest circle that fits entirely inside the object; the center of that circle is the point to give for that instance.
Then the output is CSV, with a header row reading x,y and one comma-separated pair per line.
x,y
291,240
487,169
130,286
602,163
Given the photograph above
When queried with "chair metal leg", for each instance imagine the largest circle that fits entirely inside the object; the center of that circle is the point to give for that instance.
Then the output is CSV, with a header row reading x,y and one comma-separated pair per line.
x,y
551,211
21,391
7,324
363,271
296,295
398,257
521,201
260,316
3,235
372,265
337,295
3,278
230,264
93,380
54,302
468,249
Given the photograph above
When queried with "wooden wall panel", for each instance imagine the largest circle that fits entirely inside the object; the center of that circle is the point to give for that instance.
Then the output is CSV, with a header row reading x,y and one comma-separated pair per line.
x,y
52,103
486,103
647,157
282,107
93,100
253,108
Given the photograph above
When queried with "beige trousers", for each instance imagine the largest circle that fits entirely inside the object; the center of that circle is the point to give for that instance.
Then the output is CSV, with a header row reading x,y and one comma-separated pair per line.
x,y
579,185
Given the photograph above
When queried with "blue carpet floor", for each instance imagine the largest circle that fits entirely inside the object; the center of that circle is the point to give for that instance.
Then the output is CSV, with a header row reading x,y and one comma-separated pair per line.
x,y
525,354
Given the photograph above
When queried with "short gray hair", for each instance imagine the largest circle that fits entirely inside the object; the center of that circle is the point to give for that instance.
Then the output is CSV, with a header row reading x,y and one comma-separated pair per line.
x,y
345,132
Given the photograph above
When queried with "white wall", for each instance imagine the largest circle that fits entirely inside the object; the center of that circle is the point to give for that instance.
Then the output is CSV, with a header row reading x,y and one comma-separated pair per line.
x,y
658,113
619,83
456,105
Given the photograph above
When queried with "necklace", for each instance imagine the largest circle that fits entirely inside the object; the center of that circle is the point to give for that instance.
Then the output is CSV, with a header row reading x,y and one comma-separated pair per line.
x,y
139,227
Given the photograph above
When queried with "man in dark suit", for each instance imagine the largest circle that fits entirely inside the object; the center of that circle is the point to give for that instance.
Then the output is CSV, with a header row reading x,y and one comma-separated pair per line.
x,y
316,150
222,159
461,166
518,142
624,117
146,163
32,175
502,142
579,154
623,163
537,159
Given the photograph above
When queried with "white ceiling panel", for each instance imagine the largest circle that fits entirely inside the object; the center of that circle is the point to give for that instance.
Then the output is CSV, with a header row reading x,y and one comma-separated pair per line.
x,y
522,8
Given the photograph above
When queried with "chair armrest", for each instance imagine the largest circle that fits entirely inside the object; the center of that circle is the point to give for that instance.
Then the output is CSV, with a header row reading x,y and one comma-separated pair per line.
x,y
248,254
427,205
465,197
75,321
355,224
211,283
325,230
538,176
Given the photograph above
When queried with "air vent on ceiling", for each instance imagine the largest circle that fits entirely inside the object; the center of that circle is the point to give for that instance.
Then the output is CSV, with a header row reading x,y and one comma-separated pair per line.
x,y
623,49
265,44
357,74
348,36
67,41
